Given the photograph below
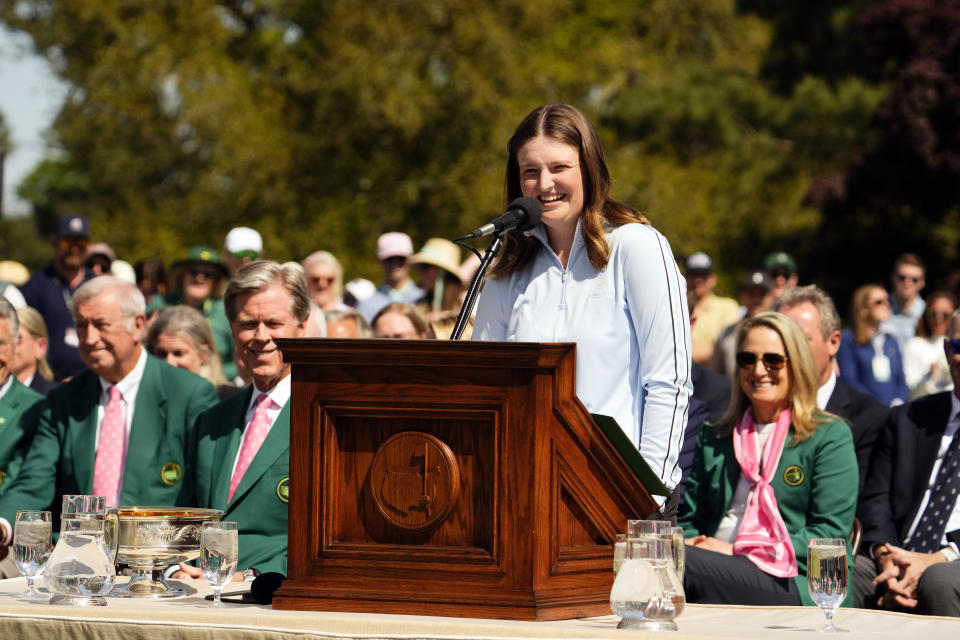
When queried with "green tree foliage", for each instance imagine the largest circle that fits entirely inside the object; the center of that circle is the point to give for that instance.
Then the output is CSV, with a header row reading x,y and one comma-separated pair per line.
x,y
325,123
901,192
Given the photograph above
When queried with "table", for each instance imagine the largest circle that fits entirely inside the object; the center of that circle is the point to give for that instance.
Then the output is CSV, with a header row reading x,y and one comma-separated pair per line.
x,y
189,617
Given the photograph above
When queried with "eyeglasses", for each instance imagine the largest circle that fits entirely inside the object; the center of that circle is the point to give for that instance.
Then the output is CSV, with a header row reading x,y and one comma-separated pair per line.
x,y
938,315
903,278
247,253
954,345
206,272
770,360
780,273
74,243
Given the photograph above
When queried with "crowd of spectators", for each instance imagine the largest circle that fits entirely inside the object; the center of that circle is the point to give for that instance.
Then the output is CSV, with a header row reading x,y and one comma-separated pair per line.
x,y
90,338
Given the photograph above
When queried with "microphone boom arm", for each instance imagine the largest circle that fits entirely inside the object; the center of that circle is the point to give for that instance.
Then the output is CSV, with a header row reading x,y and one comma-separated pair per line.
x,y
470,301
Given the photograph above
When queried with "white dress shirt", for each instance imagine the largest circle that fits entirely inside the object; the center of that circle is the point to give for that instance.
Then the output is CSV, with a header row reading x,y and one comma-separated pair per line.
x,y
953,522
129,386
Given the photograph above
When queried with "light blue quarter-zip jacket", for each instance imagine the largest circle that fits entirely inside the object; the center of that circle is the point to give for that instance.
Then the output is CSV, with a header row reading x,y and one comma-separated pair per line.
x,y
630,323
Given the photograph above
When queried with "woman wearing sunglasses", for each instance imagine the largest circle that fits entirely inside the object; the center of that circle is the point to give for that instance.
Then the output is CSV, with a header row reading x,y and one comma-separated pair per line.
x,y
199,278
869,357
924,363
772,473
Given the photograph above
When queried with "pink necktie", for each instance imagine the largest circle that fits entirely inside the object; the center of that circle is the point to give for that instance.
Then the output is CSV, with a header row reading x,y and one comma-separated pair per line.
x,y
106,469
256,434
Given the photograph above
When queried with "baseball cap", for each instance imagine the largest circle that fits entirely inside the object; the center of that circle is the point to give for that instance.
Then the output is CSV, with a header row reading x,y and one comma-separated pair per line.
x,y
101,249
360,289
778,260
393,244
243,239
756,280
73,226
699,261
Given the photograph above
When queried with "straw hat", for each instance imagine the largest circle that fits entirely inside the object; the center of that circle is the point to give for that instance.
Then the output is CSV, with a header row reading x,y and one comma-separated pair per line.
x,y
439,252
13,272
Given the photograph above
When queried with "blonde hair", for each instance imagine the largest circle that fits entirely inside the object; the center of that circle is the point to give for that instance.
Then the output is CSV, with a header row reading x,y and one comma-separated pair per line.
x,y
804,414
325,257
31,320
858,305
187,322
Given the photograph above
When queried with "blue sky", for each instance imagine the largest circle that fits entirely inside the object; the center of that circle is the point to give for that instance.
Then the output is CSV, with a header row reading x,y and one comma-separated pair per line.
x,y
30,96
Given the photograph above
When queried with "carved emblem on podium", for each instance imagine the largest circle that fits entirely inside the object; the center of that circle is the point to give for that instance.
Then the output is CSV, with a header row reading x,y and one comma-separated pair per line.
x,y
414,480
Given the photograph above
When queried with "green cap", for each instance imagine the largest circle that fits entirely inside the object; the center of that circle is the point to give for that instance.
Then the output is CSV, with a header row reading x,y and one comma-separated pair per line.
x,y
780,259
203,255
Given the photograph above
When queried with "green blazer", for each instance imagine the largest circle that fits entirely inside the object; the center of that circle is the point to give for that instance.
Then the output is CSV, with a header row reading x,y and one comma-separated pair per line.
x,y
19,410
61,457
815,486
259,506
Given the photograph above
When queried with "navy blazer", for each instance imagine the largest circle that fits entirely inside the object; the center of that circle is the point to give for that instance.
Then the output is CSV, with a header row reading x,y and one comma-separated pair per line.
x,y
866,416
900,468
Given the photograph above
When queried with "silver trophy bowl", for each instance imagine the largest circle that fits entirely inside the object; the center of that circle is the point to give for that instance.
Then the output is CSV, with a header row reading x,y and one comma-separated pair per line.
x,y
150,539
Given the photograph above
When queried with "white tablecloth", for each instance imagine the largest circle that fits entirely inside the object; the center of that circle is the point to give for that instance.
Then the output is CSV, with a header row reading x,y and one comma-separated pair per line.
x,y
190,617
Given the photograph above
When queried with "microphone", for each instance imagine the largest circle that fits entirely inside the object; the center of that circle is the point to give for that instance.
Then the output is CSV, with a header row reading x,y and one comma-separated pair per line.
x,y
264,585
522,214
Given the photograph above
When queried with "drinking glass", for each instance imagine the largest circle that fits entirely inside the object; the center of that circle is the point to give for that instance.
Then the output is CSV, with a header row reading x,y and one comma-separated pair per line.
x,y
827,576
218,555
647,594
80,571
619,552
32,546
640,528
679,549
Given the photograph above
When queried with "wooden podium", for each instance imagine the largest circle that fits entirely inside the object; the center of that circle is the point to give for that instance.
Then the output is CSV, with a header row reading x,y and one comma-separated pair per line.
x,y
449,479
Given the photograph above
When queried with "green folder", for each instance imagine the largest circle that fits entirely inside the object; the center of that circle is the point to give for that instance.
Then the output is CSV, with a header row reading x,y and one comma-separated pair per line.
x,y
629,452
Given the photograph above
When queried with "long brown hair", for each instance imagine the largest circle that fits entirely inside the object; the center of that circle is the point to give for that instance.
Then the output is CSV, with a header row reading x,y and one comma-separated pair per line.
x,y
924,324
566,124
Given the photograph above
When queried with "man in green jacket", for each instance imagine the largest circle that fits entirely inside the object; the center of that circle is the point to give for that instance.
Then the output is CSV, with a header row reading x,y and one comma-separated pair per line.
x,y
243,454
19,406
122,429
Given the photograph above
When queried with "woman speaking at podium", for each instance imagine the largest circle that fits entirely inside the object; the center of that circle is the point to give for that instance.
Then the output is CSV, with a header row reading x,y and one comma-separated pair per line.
x,y
594,272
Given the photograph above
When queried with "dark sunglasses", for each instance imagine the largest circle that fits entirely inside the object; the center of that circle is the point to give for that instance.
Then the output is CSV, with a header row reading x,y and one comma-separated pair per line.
x,y
770,360
70,243
247,253
903,278
207,272
954,345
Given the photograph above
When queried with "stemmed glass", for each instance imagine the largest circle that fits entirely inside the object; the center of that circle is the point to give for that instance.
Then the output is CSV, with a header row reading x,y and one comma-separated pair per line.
x,y
827,576
218,555
32,546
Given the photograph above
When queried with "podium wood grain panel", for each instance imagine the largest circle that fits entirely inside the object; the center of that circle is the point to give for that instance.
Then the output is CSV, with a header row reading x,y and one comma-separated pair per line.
x,y
449,478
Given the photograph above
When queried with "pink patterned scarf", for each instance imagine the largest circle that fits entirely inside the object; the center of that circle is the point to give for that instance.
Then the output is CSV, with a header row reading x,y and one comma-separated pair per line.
x,y
763,537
